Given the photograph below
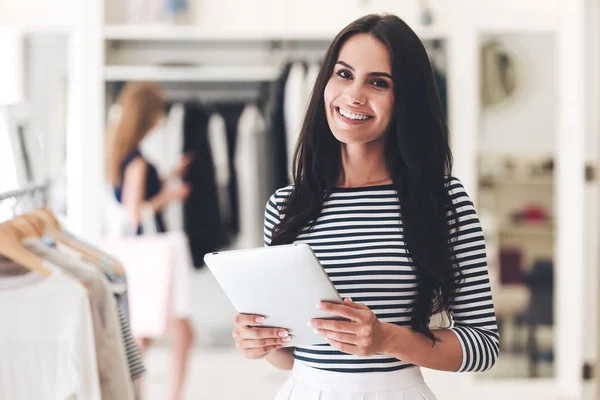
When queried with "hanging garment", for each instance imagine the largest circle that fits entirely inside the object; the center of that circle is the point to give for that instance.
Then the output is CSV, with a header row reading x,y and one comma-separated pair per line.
x,y
231,113
217,140
276,133
201,209
250,162
47,341
113,367
294,108
163,148
119,288
441,84
309,82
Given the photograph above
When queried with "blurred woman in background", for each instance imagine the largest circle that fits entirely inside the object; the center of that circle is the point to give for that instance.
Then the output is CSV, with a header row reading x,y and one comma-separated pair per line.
x,y
138,187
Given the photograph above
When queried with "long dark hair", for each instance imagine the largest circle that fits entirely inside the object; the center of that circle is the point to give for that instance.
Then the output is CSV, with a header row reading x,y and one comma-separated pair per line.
x,y
418,158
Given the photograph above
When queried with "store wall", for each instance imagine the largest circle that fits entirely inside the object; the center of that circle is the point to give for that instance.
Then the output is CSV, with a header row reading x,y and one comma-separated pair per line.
x,y
525,124
299,15
42,13
47,101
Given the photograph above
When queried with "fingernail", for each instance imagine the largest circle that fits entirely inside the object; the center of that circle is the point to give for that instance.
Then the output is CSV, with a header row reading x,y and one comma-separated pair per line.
x,y
317,331
349,298
319,305
283,334
311,323
259,320
287,339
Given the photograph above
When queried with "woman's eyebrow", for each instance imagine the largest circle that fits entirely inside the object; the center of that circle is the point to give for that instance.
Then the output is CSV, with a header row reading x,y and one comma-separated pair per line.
x,y
370,73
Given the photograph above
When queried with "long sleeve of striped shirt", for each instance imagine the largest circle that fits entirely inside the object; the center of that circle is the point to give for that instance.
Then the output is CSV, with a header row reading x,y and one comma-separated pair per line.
x,y
272,217
474,319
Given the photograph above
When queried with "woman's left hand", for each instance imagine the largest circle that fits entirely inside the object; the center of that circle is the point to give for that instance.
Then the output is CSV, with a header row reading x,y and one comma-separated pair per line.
x,y
363,335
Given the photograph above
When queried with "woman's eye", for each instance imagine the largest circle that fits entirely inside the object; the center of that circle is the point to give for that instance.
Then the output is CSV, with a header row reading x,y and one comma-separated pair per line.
x,y
380,83
344,74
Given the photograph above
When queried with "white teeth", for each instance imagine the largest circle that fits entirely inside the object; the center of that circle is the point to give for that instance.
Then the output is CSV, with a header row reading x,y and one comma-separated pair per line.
x,y
350,115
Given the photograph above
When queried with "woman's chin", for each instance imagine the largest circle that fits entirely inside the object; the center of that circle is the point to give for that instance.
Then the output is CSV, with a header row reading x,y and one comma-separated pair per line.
x,y
355,138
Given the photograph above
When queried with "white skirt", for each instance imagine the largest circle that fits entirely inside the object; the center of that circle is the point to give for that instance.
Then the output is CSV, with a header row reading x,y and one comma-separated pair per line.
x,y
307,383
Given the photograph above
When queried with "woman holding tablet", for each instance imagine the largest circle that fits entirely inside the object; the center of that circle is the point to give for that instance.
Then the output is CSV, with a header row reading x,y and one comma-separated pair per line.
x,y
374,197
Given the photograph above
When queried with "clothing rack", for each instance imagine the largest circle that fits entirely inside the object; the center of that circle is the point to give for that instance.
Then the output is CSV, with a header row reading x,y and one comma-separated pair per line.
x,y
26,191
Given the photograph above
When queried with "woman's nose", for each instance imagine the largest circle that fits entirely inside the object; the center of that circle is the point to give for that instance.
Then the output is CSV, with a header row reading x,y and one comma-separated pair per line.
x,y
355,94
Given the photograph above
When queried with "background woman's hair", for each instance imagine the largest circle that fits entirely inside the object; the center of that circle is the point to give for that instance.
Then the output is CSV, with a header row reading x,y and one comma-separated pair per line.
x,y
417,155
142,105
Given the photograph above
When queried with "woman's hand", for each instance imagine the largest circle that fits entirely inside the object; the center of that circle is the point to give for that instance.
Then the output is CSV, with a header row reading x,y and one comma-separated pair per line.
x,y
181,169
363,335
257,342
176,191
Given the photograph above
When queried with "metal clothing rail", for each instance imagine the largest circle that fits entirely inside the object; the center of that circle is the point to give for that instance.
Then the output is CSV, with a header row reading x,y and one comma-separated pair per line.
x,y
25,191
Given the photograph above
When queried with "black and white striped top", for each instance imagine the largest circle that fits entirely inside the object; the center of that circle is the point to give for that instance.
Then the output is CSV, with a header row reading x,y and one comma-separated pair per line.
x,y
358,240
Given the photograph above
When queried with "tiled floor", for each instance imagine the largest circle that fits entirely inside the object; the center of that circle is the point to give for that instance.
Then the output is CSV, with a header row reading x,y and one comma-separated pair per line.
x,y
215,374
224,374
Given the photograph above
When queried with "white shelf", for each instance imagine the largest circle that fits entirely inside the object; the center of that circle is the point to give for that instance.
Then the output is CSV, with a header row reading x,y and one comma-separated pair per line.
x,y
190,74
517,230
195,33
522,181
133,32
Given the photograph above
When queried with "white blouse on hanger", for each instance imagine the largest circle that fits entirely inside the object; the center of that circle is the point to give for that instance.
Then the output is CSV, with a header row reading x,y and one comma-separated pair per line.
x,y
217,141
309,81
46,340
294,108
251,167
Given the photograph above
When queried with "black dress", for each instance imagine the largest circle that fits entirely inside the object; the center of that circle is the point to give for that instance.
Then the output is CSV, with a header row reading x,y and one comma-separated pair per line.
x,y
153,186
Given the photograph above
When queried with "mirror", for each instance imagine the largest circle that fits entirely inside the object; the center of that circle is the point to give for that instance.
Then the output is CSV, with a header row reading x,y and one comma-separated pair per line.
x,y
33,113
499,73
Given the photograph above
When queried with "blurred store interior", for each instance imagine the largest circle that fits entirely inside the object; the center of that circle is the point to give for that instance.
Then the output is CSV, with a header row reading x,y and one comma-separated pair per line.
x,y
519,81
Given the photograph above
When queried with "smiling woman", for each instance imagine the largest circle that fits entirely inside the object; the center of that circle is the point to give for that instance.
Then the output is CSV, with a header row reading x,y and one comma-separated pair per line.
x,y
374,197
359,100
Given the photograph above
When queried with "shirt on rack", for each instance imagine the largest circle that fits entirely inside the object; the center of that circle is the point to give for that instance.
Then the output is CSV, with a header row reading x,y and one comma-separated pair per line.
x,y
118,284
294,109
201,209
47,339
250,162
119,288
217,140
115,380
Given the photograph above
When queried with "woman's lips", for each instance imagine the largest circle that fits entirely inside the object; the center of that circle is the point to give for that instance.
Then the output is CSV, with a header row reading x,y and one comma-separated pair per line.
x,y
352,121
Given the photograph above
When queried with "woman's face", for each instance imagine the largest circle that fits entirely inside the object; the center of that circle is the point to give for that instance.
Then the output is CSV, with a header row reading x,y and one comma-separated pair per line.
x,y
359,97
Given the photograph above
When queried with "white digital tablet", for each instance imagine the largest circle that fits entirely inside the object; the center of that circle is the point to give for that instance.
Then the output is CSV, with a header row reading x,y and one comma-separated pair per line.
x,y
282,283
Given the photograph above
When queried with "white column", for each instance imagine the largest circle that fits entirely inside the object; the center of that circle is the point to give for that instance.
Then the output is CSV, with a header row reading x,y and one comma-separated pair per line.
x,y
569,276
463,101
85,144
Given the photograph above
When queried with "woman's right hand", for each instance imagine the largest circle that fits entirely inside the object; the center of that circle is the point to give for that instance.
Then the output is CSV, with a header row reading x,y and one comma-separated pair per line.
x,y
257,342
177,191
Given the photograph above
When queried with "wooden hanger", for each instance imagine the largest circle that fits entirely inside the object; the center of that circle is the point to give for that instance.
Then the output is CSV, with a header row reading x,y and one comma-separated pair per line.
x,y
36,222
25,227
12,248
54,228
33,226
